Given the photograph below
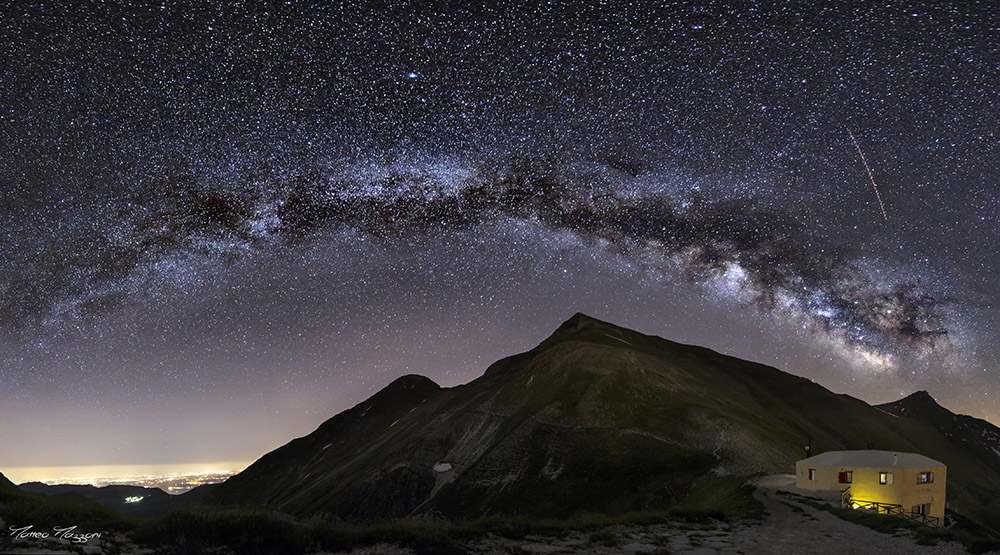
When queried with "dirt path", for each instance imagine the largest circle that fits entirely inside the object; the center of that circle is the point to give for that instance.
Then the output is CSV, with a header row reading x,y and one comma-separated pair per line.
x,y
793,527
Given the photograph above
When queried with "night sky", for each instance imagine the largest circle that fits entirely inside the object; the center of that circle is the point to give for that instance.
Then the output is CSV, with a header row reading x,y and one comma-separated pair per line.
x,y
220,227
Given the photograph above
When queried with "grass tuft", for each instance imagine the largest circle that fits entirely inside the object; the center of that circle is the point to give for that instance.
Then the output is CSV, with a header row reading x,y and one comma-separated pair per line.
x,y
606,538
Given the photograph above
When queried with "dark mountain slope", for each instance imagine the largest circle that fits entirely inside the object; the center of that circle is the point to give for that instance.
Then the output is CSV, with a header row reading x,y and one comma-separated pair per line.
x,y
6,485
975,443
596,418
978,437
292,475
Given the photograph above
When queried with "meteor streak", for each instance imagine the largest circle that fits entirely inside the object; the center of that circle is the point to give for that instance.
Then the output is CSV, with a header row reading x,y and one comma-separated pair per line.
x,y
862,154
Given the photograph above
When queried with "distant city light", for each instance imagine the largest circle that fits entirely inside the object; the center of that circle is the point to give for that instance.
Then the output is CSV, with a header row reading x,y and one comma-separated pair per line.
x,y
171,482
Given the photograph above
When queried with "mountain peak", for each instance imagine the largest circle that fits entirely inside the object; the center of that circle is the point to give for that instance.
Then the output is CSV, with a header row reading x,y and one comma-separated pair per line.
x,y
413,381
408,386
406,389
919,398
917,403
922,394
581,321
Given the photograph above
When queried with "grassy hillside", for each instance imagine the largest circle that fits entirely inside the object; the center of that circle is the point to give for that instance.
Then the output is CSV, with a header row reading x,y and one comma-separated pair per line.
x,y
66,509
154,500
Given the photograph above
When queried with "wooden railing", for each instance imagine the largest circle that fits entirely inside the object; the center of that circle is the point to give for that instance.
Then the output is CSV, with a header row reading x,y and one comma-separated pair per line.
x,y
893,509
926,519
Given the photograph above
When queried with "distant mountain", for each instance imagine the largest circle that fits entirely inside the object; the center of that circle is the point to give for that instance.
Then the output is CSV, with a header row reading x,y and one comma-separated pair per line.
x,y
979,437
975,438
595,418
130,500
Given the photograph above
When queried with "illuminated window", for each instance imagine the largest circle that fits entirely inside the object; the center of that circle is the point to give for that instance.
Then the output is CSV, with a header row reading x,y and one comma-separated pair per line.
x,y
925,477
812,474
885,478
847,477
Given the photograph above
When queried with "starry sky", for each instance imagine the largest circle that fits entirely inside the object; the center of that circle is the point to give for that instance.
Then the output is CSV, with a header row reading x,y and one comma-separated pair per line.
x,y
223,225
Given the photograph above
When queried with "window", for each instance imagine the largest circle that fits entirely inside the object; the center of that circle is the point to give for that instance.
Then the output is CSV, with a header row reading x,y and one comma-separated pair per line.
x,y
812,474
847,477
925,477
885,478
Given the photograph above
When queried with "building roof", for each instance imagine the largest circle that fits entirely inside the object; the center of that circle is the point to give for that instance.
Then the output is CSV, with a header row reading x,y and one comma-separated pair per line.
x,y
871,458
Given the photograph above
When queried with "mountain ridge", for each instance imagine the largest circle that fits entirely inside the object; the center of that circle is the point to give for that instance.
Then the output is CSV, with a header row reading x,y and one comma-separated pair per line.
x,y
978,436
646,419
